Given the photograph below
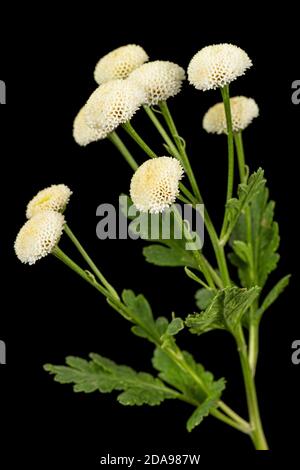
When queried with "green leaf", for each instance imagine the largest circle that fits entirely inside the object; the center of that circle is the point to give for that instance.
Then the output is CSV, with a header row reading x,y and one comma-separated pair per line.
x,y
174,375
103,375
265,235
175,326
272,295
141,314
246,193
225,311
172,253
203,298
254,265
201,412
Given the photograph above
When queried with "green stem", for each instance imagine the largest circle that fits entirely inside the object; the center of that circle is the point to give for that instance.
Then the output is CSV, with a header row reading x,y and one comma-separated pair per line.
x,y
91,264
181,148
172,148
237,422
257,433
218,249
137,138
115,139
200,260
241,156
226,101
58,253
253,344
253,325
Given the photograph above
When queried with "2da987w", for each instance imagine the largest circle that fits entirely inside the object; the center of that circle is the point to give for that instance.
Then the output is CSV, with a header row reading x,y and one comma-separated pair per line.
x,y
177,459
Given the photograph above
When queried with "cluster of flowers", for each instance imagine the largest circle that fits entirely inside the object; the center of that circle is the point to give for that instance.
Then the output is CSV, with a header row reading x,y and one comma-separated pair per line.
x,y
127,81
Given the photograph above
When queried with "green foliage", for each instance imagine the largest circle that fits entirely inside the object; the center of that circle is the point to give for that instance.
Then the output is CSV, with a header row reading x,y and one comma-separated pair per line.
x,y
272,295
103,375
257,260
175,326
225,311
203,298
201,412
141,314
167,249
197,385
246,193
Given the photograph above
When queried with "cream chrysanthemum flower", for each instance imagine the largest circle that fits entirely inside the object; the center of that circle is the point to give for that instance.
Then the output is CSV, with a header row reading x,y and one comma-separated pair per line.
x,y
112,104
243,111
155,184
39,236
160,80
119,63
216,66
55,197
82,133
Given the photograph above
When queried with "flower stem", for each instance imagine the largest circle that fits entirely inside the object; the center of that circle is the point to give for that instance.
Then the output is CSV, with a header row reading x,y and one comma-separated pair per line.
x,y
218,249
89,261
257,433
200,260
181,148
115,139
58,253
226,101
171,146
253,324
136,137
238,139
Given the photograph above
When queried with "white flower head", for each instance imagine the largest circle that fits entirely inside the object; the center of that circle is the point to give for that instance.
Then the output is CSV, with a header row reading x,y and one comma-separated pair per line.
x,y
160,80
112,104
39,236
243,111
155,184
82,133
119,63
55,197
216,66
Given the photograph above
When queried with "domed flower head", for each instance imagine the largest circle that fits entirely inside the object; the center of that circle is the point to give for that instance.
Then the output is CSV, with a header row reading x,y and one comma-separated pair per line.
x,y
155,184
55,198
82,133
112,104
119,63
39,236
160,80
216,66
243,111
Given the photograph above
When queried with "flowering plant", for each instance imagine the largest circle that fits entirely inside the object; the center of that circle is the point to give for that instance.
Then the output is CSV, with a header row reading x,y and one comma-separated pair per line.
x,y
228,302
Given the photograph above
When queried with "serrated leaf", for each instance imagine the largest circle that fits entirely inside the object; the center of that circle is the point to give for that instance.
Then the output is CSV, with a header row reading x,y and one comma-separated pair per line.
x,y
175,326
173,374
246,193
201,412
272,295
141,314
255,264
225,311
204,297
103,375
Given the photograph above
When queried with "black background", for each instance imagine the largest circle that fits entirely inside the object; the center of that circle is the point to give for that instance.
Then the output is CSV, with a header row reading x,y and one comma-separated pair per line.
x,y
47,61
